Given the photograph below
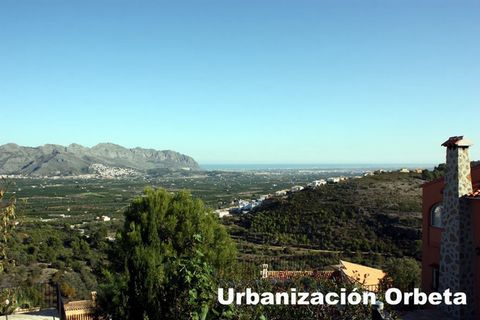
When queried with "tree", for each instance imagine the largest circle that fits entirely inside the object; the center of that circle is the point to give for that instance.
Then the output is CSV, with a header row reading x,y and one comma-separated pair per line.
x,y
7,224
167,259
404,273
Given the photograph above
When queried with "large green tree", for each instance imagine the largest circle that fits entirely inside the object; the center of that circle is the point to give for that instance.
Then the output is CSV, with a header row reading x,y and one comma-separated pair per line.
x,y
167,259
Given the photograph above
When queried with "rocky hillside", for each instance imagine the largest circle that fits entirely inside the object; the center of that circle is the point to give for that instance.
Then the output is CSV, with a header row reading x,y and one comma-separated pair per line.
x,y
75,159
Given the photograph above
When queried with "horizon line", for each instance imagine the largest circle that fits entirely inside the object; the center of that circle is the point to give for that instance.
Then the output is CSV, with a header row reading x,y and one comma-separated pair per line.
x,y
315,163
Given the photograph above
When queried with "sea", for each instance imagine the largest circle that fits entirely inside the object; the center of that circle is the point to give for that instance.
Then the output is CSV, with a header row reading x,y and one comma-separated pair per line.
x,y
311,166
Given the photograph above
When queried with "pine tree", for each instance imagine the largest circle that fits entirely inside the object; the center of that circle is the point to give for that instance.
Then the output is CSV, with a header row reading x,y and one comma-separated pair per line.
x,y
168,255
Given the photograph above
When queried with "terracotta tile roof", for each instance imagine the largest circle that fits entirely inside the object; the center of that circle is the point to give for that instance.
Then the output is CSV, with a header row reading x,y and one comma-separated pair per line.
x,y
363,274
79,305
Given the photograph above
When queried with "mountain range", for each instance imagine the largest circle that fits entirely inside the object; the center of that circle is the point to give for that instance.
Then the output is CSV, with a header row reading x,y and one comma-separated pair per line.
x,y
51,159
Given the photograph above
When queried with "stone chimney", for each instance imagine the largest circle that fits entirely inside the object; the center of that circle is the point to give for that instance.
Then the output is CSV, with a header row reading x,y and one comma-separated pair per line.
x,y
456,249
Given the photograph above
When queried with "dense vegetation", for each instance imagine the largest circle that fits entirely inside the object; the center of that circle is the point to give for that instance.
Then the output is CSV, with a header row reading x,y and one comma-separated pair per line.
x,y
48,253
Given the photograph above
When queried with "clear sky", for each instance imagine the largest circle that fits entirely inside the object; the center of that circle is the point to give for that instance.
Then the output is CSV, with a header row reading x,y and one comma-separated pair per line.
x,y
244,81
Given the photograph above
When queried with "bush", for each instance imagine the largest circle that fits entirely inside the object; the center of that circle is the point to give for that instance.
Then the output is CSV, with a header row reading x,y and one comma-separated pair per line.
x,y
404,273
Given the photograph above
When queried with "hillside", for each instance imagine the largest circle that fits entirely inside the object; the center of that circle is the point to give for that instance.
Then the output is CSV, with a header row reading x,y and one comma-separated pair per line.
x,y
380,213
75,159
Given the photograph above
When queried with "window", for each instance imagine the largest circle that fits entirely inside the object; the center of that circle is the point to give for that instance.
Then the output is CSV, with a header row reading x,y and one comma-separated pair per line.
x,y
436,215
435,278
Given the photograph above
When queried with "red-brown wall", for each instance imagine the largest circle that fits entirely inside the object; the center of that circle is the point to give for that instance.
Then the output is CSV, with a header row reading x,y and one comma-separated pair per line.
x,y
432,194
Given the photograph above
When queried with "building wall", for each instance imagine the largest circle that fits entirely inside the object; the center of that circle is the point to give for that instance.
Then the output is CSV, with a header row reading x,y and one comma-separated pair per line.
x,y
476,225
431,236
432,194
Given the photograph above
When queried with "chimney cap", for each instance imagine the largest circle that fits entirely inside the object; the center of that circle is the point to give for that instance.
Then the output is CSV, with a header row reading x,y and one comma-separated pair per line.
x,y
457,141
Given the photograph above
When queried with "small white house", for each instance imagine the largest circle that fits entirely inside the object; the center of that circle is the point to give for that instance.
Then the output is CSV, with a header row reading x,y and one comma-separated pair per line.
x,y
317,183
296,188
333,180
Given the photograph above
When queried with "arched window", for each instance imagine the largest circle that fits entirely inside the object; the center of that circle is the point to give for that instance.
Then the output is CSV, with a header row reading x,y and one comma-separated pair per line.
x,y
436,215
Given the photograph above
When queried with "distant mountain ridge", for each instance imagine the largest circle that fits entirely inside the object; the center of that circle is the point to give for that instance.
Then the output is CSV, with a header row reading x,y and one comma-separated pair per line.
x,y
51,159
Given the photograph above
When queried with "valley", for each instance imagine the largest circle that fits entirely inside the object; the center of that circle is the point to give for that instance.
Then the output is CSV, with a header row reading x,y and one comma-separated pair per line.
x,y
68,225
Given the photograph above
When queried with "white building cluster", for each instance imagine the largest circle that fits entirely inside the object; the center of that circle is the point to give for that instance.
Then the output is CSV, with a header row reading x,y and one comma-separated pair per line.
x,y
111,172
245,206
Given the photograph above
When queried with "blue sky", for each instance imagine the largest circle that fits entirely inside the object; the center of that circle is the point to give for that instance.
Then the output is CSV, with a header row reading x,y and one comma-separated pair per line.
x,y
243,81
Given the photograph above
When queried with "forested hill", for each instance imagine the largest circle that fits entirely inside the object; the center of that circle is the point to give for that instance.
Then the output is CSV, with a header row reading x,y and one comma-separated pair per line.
x,y
380,213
